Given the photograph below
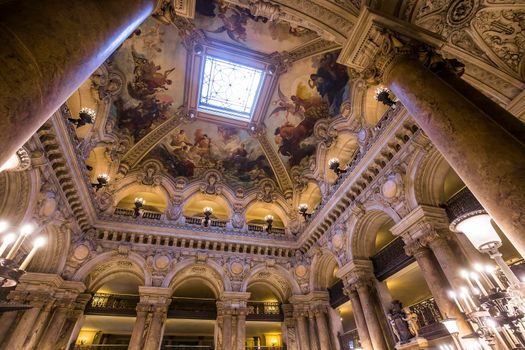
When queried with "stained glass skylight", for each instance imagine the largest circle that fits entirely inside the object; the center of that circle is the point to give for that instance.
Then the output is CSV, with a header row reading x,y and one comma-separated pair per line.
x,y
229,88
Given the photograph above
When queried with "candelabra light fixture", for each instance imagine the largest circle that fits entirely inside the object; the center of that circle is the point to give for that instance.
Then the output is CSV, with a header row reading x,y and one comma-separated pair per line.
x,y
85,116
102,181
207,214
139,204
492,300
269,222
383,96
334,165
13,237
303,210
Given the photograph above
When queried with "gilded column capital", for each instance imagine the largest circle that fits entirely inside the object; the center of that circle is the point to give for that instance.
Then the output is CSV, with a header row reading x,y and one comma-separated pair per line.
x,y
415,248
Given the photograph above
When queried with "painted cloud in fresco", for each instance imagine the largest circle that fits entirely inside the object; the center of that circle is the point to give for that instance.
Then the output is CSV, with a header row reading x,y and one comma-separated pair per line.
x,y
315,96
191,150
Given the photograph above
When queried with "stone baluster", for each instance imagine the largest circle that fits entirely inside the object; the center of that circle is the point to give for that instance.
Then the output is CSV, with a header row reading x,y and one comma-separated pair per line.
x,y
152,308
483,154
81,36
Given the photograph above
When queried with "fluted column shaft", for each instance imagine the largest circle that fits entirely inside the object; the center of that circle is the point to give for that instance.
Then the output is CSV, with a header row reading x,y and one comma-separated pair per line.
x,y
302,331
227,332
438,286
24,326
156,331
481,152
137,335
368,304
362,329
52,332
241,330
80,34
314,338
323,330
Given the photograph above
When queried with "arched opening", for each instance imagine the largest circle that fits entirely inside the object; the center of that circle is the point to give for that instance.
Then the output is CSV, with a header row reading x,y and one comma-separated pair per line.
x,y
257,214
344,149
111,312
153,202
194,207
311,196
265,316
191,315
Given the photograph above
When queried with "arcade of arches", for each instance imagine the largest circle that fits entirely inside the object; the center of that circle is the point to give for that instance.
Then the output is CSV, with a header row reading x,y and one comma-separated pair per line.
x,y
258,174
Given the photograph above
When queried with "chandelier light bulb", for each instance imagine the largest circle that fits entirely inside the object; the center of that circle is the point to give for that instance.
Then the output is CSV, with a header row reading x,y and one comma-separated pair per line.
x,y
39,242
27,229
3,226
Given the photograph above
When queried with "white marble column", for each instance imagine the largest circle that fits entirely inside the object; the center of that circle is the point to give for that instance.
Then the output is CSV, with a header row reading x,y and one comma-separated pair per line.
x,y
232,309
362,328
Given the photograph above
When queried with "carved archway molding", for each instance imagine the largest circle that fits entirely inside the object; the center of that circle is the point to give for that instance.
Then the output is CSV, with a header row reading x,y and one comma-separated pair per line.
x,y
323,263
363,231
209,272
111,262
272,274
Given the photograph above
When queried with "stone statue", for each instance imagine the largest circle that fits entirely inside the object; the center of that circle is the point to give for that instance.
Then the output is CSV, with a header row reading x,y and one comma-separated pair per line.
x,y
396,318
411,319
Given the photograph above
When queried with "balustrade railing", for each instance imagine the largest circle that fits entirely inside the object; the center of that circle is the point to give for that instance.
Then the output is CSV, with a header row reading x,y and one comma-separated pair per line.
x,y
429,319
264,311
195,220
100,347
112,304
186,308
145,214
391,259
261,228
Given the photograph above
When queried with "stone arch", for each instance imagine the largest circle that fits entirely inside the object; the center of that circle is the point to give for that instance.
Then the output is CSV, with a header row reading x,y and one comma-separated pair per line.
x,y
364,229
273,207
283,282
207,272
428,177
130,185
323,266
107,265
18,192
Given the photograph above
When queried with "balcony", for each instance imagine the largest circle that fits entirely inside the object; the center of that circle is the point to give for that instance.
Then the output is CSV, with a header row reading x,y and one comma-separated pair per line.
x,y
195,220
391,259
181,308
146,214
429,319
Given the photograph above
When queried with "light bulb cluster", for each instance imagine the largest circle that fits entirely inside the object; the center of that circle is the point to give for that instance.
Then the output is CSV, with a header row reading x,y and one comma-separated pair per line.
x,y
488,304
12,240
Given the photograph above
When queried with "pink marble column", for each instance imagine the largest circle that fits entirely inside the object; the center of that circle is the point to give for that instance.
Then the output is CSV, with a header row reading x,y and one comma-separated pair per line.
x,y
486,157
155,333
302,330
241,329
437,284
137,336
362,329
314,338
37,329
49,48
22,330
50,337
322,329
368,303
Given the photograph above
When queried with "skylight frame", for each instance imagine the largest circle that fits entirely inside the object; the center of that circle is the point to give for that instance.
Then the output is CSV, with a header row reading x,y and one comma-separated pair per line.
x,y
251,99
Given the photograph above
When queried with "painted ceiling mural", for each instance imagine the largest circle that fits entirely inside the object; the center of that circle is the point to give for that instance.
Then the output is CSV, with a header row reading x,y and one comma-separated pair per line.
x,y
226,22
191,150
313,89
153,61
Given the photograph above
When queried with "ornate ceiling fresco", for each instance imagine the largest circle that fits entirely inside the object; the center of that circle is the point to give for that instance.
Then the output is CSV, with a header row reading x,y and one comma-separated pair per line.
x,y
153,141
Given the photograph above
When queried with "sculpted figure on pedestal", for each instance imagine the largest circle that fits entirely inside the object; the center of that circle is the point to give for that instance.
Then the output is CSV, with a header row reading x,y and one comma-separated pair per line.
x,y
396,318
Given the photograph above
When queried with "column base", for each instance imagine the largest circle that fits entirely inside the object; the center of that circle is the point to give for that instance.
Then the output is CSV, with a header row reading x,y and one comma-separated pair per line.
x,y
414,343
